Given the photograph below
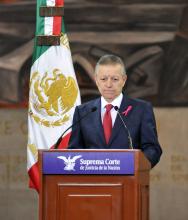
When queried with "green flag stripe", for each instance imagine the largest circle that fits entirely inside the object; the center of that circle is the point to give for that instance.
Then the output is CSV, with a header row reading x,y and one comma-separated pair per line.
x,y
40,20
63,26
39,50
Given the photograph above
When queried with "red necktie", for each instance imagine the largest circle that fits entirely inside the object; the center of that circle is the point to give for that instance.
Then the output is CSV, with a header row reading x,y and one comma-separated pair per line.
x,y
107,122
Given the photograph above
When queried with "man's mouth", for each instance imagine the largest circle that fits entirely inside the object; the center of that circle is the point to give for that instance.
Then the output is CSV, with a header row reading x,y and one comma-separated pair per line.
x,y
109,91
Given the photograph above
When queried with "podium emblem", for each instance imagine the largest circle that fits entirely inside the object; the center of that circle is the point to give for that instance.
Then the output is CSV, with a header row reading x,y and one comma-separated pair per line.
x,y
69,162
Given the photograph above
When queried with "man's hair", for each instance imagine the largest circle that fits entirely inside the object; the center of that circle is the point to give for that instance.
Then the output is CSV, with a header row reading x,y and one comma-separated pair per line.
x,y
110,59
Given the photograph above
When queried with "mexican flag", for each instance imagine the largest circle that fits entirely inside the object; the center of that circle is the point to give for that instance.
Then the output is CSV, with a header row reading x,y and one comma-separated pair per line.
x,y
54,91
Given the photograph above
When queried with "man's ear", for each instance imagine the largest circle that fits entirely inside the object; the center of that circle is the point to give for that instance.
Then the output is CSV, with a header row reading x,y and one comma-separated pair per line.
x,y
95,79
125,78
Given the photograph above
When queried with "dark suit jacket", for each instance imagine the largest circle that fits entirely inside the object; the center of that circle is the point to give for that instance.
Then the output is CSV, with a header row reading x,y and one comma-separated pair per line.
x,y
89,134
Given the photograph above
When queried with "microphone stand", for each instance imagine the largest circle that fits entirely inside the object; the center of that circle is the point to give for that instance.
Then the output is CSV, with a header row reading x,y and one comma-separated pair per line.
x,y
129,135
60,138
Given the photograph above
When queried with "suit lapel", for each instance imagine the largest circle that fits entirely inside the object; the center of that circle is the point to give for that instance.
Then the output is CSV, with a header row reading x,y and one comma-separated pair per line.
x,y
98,123
118,123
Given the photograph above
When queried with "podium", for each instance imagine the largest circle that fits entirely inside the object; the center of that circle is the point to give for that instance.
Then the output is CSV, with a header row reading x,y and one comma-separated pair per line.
x,y
93,185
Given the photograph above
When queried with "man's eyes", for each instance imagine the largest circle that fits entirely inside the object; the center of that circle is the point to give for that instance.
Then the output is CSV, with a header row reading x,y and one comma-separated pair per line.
x,y
113,79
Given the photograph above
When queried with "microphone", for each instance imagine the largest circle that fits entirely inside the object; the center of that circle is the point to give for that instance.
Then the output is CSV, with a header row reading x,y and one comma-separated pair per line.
x,y
60,138
129,135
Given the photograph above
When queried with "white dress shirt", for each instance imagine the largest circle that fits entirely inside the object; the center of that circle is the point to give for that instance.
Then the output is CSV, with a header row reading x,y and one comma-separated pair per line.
x,y
116,102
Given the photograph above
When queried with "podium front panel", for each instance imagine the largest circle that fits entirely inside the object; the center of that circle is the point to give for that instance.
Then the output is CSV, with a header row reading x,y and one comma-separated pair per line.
x,y
89,201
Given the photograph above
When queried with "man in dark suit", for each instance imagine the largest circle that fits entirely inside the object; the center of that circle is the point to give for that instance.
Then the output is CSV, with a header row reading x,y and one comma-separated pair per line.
x,y
103,128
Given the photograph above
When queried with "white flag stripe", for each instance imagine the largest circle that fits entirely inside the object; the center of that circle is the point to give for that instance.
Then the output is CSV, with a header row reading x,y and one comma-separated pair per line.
x,y
50,2
48,21
31,160
48,25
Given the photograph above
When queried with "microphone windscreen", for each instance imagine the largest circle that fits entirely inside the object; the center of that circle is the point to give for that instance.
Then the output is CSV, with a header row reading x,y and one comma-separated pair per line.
x,y
116,108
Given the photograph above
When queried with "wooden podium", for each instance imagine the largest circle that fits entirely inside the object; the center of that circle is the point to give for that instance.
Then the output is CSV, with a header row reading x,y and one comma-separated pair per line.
x,y
93,185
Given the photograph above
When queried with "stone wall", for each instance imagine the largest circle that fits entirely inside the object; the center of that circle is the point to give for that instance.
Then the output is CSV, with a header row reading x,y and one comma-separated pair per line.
x,y
17,201
169,179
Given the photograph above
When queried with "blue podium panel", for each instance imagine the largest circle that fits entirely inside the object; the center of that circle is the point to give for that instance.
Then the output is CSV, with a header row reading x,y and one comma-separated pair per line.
x,y
87,163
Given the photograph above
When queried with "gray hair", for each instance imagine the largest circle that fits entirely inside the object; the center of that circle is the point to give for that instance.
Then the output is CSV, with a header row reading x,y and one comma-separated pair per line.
x,y
110,59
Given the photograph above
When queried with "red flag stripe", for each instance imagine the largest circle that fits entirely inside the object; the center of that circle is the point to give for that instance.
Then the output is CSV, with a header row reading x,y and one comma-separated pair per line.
x,y
57,21
65,141
59,2
57,25
34,170
34,177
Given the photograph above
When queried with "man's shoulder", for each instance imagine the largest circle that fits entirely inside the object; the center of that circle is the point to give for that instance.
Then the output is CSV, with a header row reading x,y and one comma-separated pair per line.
x,y
138,102
89,104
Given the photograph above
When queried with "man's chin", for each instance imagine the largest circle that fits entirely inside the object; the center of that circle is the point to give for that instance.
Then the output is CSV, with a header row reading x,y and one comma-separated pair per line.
x,y
109,98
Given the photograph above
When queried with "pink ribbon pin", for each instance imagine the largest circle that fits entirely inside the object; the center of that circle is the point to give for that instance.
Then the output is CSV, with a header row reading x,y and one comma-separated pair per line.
x,y
125,113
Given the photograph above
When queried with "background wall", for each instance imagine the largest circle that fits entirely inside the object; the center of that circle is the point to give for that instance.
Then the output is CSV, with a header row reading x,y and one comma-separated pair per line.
x,y
152,39
169,180
17,201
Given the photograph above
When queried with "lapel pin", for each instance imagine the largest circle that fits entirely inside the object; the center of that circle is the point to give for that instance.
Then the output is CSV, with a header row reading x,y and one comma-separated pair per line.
x,y
127,110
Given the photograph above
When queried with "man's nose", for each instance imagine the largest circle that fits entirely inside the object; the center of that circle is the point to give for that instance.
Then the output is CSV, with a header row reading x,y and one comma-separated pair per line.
x,y
109,83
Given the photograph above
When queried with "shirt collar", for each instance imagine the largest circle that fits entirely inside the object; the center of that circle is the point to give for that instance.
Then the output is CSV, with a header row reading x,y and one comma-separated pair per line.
x,y
116,102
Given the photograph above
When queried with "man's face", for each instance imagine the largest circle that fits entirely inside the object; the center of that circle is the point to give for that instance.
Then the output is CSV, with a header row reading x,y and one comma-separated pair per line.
x,y
110,81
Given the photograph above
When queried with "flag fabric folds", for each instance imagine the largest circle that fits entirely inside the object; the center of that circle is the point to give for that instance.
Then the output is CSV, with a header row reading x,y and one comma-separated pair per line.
x,y
54,91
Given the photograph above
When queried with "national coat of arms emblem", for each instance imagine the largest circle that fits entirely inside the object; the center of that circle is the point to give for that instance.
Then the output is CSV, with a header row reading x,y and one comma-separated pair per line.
x,y
52,97
69,162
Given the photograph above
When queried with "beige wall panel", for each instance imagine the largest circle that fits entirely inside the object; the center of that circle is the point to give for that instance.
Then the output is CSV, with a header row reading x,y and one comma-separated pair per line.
x,y
169,179
17,201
